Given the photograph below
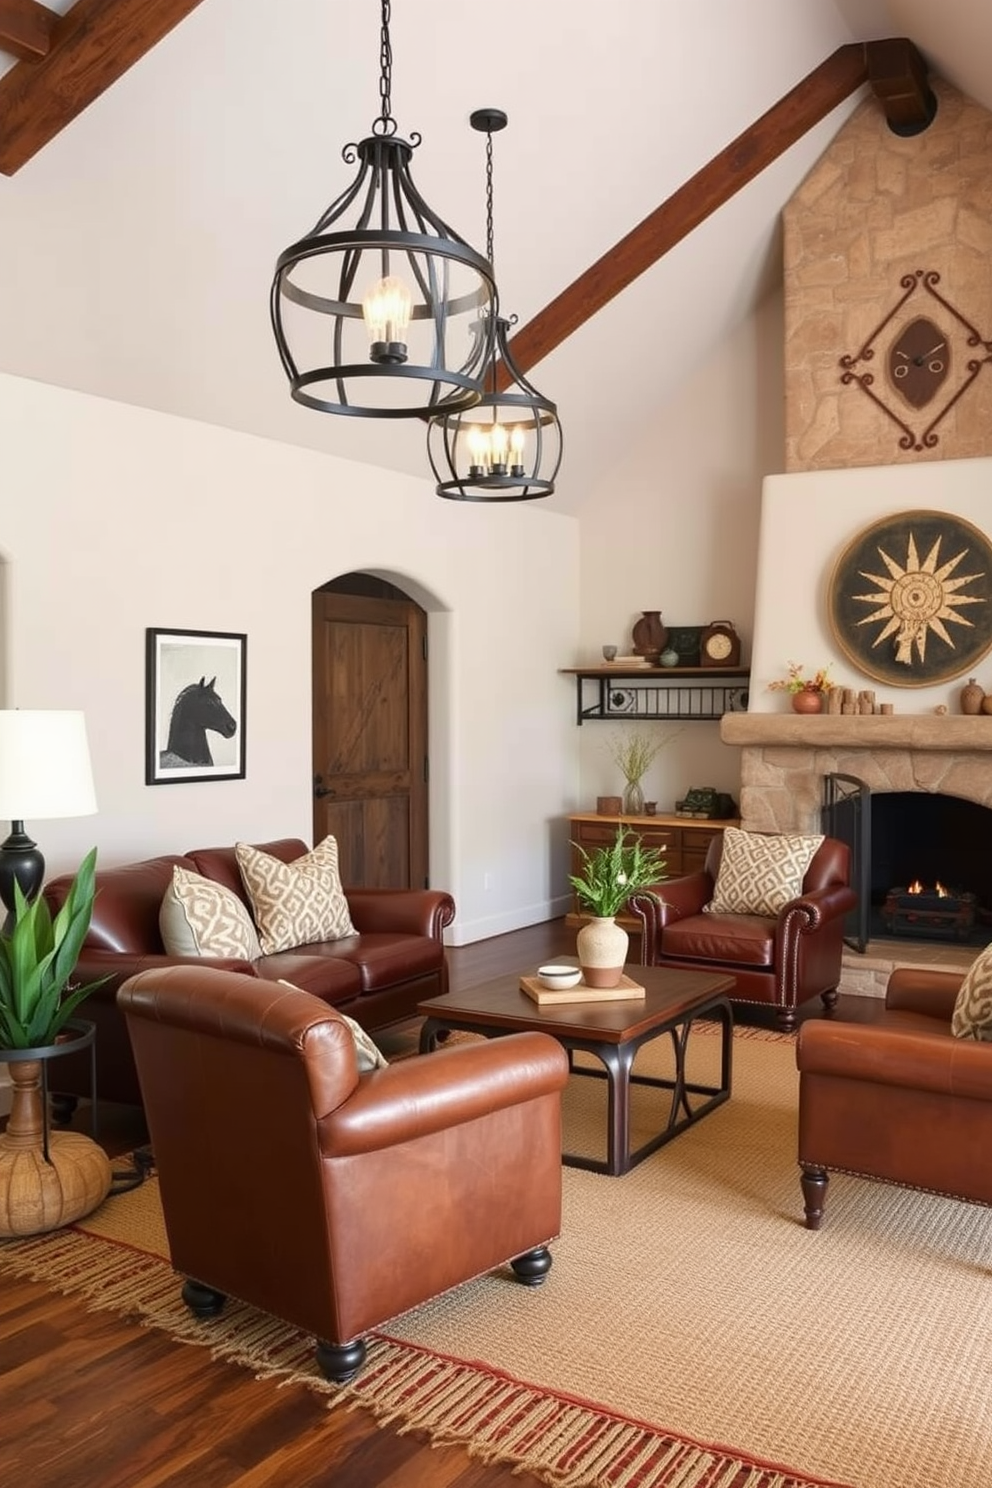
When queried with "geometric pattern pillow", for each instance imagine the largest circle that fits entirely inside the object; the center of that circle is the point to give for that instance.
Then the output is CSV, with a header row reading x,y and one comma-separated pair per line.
x,y
761,872
972,1017
368,1053
295,903
198,917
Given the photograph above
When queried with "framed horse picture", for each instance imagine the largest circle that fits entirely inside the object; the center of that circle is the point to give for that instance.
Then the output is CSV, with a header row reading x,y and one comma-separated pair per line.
x,y
195,706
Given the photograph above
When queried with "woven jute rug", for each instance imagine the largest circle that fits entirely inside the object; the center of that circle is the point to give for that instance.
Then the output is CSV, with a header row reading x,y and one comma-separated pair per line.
x,y
692,1333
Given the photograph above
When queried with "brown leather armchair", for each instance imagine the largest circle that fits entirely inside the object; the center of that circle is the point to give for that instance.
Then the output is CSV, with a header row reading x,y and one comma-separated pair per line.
x,y
897,1097
779,961
330,1198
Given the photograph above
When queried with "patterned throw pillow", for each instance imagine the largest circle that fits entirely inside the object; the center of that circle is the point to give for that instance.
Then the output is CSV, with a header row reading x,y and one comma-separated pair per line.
x,y
761,872
201,918
972,1016
295,903
367,1052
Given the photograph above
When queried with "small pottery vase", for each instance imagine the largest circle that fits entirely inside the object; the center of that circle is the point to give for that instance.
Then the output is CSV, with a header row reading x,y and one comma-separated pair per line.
x,y
601,945
669,658
987,703
972,697
807,701
650,635
633,798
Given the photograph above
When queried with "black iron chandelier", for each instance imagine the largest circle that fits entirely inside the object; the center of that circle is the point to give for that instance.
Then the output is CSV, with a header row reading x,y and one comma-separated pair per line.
x,y
390,317
508,445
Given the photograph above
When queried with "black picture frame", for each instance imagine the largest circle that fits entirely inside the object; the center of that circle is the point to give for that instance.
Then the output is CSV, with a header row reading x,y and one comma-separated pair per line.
x,y
195,706
910,599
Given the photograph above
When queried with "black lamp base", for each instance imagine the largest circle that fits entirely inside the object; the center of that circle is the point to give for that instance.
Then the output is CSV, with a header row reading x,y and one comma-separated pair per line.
x,y
20,862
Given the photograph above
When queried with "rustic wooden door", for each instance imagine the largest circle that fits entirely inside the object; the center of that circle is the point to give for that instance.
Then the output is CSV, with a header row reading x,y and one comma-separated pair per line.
x,y
370,737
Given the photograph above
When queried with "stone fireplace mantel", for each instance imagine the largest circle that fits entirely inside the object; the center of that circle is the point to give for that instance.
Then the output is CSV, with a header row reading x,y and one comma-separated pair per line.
x,y
784,757
857,731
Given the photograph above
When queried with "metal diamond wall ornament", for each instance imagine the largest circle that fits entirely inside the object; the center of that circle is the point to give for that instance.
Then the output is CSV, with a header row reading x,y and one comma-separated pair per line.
x,y
921,360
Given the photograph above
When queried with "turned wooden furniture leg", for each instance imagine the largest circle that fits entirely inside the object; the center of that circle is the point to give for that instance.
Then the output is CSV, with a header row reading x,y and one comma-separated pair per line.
x,y
829,1000
532,1267
787,1019
814,1182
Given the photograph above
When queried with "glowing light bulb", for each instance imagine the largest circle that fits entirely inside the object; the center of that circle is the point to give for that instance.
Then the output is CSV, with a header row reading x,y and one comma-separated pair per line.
x,y
478,449
499,443
386,309
517,443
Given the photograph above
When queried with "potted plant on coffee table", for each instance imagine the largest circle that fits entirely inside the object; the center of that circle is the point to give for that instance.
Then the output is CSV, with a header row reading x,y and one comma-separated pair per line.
x,y
607,878
46,1179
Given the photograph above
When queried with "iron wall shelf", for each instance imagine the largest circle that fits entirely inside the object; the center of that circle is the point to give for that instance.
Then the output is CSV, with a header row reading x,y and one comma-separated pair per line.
x,y
612,693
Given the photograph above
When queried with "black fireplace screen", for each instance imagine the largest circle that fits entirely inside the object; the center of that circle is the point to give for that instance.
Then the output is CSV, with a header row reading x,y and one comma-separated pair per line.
x,y
845,813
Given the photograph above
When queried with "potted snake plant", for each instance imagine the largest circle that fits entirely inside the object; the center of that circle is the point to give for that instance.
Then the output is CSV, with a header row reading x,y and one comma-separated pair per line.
x,y
46,1179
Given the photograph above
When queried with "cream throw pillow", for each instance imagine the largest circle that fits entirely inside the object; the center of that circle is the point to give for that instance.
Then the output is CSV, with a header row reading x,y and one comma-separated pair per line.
x,y
201,918
367,1052
760,872
295,903
972,1016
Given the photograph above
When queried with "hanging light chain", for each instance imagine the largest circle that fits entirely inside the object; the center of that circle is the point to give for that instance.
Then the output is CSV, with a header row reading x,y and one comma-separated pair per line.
x,y
385,124
489,196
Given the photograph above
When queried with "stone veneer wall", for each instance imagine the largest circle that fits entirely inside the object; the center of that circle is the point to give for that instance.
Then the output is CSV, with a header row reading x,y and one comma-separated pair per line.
x,y
874,208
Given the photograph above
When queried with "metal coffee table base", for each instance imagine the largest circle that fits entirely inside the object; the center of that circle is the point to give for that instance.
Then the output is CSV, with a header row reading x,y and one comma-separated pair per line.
x,y
617,1060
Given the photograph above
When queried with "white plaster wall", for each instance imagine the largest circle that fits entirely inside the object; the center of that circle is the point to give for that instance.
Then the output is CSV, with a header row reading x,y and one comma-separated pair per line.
x,y
115,518
676,529
807,520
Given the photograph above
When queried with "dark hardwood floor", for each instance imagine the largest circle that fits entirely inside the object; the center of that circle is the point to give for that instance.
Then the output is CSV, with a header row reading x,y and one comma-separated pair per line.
x,y
88,1400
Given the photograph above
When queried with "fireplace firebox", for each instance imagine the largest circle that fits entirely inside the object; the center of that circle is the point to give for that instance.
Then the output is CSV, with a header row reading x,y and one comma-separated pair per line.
x,y
921,862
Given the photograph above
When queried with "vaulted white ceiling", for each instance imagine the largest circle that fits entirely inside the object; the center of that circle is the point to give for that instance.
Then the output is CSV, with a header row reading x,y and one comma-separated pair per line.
x,y
137,248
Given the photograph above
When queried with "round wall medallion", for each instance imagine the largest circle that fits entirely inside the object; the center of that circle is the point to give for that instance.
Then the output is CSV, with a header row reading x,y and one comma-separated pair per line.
x,y
910,599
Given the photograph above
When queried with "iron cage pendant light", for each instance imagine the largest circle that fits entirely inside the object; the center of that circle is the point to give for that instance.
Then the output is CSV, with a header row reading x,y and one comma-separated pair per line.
x,y
387,318
508,446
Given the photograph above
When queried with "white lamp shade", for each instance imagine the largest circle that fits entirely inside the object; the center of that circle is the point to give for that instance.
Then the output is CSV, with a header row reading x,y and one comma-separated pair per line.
x,y
45,766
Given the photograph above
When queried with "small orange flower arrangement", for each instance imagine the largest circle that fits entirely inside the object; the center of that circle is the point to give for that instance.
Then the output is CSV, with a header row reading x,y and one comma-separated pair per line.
x,y
796,682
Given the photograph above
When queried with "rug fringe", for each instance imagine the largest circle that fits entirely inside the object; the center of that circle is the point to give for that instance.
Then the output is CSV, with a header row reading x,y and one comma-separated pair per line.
x,y
566,1443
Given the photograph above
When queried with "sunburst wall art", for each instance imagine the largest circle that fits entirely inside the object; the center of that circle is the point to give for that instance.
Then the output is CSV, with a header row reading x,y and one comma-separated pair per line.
x,y
910,599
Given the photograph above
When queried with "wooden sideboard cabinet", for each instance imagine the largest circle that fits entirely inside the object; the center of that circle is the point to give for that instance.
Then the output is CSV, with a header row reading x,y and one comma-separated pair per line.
x,y
683,841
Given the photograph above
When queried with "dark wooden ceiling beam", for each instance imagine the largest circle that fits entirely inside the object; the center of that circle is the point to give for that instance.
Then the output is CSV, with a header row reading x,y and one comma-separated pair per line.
x,y
898,76
91,47
26,29
764,141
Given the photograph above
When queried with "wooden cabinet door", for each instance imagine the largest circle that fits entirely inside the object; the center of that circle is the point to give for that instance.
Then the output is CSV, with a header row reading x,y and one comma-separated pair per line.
x,y
370,737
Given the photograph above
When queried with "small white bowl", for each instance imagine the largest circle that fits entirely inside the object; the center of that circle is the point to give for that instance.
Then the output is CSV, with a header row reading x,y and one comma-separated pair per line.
x,y
557,978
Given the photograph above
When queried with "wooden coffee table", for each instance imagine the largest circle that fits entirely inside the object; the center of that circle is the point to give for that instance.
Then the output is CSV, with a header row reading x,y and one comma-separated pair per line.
x,y
612,1032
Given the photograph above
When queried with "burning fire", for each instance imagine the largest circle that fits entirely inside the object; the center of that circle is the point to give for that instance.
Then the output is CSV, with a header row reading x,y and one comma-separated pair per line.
x,y
917,888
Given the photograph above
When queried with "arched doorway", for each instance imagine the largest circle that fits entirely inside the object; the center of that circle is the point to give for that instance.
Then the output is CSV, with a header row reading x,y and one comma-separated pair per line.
x,y
370,730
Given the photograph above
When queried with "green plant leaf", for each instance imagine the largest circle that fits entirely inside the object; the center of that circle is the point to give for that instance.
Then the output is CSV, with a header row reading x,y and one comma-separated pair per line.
x,y
37,959
611,874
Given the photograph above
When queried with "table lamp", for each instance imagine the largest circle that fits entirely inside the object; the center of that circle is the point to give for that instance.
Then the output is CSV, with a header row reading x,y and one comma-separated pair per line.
x,y
44,772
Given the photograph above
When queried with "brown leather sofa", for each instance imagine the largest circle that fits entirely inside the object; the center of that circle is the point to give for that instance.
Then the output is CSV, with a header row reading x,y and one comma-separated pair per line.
x,y
897,1097
332,1199
377,976
778,961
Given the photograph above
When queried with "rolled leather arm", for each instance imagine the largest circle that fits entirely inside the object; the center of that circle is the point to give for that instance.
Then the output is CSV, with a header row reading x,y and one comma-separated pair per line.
x,y
811,911
930,992
417,1097
400,911
916,1060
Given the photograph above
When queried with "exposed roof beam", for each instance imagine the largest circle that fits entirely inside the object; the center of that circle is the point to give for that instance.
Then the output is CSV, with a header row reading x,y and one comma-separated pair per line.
x,y
91,47
768,137
25,29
